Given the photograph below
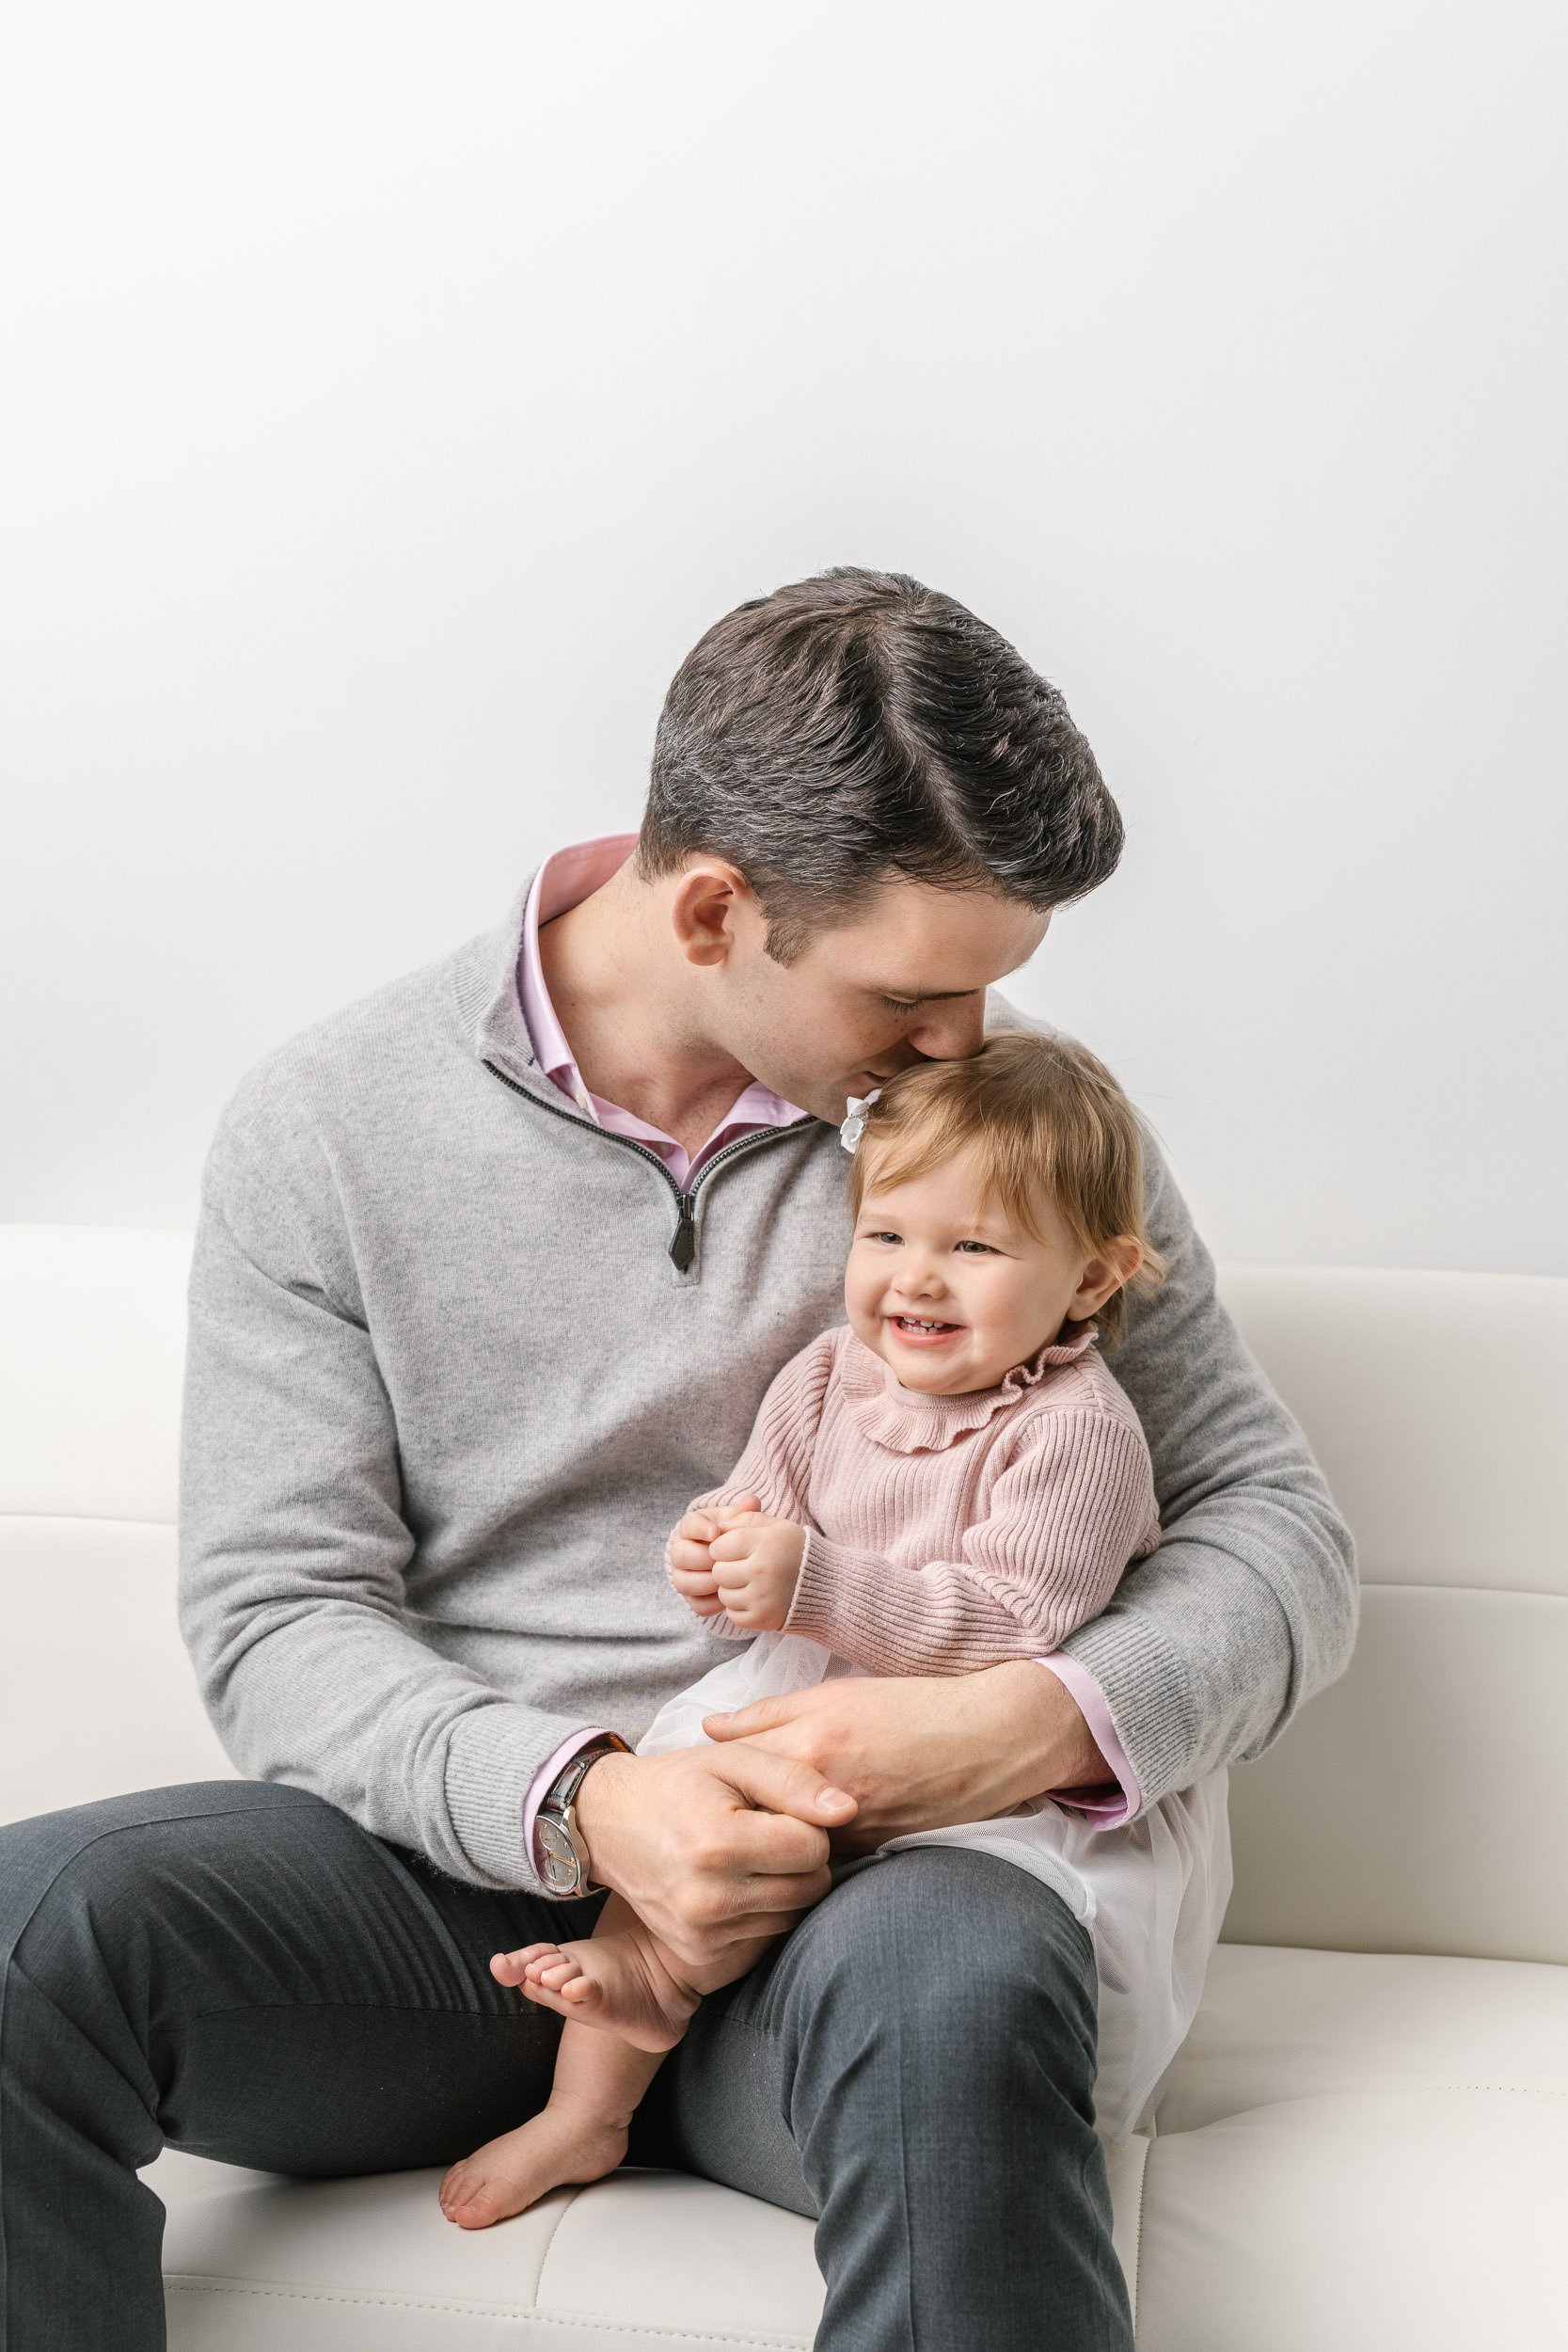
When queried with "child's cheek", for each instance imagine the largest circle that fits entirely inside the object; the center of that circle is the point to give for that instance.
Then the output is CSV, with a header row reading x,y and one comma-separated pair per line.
x,y
860,1301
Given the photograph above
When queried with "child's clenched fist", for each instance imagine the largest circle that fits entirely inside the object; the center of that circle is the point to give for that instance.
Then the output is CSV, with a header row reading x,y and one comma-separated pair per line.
x,y
740,1560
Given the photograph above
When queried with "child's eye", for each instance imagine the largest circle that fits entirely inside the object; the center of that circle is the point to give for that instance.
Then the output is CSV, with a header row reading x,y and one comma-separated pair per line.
x,y
901,1004
895,1237
984,1247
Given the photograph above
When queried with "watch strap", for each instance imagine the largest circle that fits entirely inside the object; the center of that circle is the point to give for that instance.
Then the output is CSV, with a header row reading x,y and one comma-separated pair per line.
x,y
561,1795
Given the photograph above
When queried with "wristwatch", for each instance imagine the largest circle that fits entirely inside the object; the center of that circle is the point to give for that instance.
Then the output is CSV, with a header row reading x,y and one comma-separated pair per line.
x,y
561,1854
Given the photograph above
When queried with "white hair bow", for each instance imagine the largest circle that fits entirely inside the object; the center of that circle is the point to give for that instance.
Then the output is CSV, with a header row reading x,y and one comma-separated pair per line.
x,y
853,1127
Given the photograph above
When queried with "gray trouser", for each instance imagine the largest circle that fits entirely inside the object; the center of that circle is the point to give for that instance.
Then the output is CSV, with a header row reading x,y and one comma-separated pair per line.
x,y
238,1970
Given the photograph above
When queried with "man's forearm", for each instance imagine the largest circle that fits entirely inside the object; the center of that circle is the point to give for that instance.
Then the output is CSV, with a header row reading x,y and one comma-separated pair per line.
x,y
1203,1656
1045,1730
927,1752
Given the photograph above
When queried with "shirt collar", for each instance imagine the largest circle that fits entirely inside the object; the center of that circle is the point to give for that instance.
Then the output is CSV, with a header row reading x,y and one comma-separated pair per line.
x,y
567,877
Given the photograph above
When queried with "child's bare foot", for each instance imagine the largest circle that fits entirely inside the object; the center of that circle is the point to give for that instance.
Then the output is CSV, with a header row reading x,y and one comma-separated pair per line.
x,y
619,1982
563,2142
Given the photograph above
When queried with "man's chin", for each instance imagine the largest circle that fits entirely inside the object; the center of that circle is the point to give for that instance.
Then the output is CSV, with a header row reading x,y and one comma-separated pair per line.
x,y
828,1108
827,1099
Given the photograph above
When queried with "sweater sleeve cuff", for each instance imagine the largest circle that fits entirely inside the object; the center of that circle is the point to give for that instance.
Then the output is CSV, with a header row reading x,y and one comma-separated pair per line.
x,y
836,1593
539,1786
494,1756
1103,1811
1147,1688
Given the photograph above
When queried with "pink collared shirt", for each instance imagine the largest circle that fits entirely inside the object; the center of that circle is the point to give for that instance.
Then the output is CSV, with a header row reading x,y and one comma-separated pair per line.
x,y
564,880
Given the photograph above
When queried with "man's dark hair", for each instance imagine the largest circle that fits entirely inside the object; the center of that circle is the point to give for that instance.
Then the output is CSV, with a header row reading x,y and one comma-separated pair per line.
x,y
857,726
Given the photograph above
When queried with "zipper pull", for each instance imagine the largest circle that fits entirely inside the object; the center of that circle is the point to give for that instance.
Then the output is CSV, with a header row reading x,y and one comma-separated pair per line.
x,y
684,1247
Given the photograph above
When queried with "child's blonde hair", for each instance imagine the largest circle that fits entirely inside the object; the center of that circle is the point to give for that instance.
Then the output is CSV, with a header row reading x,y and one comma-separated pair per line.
x,y
1048,1122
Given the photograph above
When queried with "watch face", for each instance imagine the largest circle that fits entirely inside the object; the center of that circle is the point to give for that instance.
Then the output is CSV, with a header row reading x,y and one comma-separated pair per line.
x,y
559,1868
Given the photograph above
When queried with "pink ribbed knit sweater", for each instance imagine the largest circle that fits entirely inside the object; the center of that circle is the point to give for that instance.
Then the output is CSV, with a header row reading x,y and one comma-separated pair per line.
x,y
947,1533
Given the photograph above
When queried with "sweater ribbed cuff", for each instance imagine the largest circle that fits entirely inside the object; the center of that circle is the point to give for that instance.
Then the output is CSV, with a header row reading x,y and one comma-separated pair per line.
x,y
494,1754
1148,1693
1103,1812
836,1597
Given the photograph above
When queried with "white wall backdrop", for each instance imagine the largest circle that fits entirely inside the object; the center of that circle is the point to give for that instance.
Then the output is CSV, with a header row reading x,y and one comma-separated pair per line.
x,y
394,391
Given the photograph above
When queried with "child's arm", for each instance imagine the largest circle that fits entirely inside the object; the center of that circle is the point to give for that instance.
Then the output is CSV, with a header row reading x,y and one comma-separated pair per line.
x,y
775,1465
773,1474
1064,1520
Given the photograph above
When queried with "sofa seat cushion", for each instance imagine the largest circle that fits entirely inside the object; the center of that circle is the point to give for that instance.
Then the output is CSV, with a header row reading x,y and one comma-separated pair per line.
x,y
1360,2150
257,2265
253,2264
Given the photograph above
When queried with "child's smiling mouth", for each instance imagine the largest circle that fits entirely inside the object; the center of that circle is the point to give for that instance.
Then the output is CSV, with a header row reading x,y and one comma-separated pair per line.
x,y
923,1329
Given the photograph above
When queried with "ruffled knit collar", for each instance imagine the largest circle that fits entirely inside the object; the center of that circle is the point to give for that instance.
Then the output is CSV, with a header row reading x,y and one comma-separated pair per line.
x,y
908,1420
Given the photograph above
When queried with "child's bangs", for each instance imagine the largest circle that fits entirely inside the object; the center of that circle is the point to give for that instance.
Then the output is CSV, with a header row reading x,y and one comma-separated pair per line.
x,y
928,1132
919,1144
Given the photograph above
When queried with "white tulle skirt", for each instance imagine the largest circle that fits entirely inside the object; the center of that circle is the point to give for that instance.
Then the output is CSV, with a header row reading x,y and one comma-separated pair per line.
x,y
1151,1893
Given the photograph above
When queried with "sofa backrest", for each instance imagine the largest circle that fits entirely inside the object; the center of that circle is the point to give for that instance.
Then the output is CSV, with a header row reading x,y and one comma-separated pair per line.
x,y
96,1692
1414,1807
1417,1804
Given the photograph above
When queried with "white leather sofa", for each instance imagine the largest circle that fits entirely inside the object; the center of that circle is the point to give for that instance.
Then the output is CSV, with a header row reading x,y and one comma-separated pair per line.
x,y
1364,2145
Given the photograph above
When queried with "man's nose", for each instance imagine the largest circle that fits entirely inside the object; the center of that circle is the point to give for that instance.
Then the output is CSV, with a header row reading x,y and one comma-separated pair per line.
x,y
950,1032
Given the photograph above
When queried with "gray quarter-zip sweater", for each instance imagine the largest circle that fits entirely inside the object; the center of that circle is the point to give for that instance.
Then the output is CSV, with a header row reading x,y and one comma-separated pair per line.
x,y
459,1357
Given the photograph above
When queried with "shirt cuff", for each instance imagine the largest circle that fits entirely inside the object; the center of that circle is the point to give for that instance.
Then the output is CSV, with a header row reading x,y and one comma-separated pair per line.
x,y
539,1789
1105,1811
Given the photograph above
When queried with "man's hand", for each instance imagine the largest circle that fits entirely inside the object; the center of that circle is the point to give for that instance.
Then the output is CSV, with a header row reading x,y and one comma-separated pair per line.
x,y
922,1752
711,1846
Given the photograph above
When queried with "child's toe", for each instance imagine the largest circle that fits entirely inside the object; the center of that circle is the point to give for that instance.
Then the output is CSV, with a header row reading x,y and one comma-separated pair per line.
x,y
456,2189
510,1967
479,2212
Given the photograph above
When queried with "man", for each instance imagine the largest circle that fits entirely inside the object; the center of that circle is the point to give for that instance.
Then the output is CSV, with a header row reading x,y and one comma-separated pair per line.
x,y
493,1270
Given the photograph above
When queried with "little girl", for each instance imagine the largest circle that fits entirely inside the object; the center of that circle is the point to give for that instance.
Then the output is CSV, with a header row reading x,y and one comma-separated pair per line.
x,y
951,1480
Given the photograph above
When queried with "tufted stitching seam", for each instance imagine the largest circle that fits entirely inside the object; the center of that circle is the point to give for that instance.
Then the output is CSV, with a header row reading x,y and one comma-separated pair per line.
x,y
85,1519
1390,2089
1138,2237
1511,2091
555,2231
1503,1591
484,2311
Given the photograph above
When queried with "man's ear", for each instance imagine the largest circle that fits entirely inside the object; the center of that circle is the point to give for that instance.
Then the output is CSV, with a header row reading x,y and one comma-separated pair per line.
x,y
1114,1263
706,901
